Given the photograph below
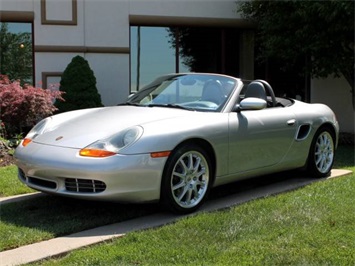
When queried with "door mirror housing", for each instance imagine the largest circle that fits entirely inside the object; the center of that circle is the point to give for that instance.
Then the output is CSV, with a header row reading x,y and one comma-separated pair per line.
x,y
251,103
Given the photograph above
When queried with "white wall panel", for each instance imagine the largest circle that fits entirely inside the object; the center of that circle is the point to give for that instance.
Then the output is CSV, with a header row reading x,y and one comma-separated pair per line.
x,y
106,23
59,10
112,76
60,35
16,5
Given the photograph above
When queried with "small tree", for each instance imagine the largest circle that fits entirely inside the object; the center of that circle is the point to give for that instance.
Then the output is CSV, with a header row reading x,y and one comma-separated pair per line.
x,y
79,84
319,32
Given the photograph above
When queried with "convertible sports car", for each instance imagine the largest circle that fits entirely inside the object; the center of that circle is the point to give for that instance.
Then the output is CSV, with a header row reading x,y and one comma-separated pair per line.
x,y
175,139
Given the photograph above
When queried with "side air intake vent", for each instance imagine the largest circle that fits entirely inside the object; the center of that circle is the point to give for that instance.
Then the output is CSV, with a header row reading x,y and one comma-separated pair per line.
x,y
303,132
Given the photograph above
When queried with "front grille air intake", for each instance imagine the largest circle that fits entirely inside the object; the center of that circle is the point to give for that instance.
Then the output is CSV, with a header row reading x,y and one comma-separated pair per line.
x,y
84,185
41,183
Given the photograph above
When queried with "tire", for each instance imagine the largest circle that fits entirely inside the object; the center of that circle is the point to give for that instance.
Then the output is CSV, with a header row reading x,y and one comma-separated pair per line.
x,y
187,179
321,154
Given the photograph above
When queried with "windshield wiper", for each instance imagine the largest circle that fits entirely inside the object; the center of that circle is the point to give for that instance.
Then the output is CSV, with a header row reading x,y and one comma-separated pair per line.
x,y
129,103
170,105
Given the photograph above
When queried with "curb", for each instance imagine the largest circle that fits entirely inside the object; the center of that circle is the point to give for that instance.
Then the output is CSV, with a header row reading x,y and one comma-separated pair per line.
x,y
17,198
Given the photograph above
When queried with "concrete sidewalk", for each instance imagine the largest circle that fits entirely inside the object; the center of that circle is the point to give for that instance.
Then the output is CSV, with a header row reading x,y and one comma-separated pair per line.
x,y
61,245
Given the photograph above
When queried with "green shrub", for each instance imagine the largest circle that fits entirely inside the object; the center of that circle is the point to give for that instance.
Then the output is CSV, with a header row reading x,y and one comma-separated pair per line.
x,y
79,84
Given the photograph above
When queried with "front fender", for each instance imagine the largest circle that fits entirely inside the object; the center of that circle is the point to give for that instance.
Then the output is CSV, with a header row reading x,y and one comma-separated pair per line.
x,y
168,134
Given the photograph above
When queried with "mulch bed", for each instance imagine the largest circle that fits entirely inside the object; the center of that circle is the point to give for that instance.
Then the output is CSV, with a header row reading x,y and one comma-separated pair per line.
x,y
6,159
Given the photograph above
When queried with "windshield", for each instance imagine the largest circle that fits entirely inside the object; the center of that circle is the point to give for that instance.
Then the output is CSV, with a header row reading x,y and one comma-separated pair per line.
x,y
201,92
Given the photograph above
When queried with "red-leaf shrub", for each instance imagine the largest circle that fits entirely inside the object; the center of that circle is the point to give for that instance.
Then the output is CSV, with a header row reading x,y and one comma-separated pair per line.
x,y
25,106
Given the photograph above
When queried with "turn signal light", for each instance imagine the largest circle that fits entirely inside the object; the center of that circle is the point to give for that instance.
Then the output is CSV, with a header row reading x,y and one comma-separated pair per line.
x,y
96,153
160,154
26,141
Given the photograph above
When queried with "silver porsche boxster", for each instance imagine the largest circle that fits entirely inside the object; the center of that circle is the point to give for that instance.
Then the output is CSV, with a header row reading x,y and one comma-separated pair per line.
x,y
175,139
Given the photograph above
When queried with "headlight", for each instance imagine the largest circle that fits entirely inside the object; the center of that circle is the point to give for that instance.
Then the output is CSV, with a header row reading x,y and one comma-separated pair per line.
x,y
37,130
112,145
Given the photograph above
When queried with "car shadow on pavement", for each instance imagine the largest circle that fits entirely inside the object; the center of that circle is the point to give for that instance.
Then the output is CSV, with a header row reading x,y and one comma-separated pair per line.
x,y
61,216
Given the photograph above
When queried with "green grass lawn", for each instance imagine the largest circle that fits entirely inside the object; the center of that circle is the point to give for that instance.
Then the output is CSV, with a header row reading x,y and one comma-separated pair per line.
x,y
312,225
9,183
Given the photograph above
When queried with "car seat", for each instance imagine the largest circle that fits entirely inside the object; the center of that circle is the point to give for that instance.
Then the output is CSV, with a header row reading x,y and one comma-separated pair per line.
x,y
257,90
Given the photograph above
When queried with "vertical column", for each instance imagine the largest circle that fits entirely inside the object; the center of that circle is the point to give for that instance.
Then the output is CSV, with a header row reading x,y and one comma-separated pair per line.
x,y
246,54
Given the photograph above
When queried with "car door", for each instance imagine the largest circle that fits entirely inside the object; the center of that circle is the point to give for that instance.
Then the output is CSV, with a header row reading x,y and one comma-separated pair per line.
x,y
259,138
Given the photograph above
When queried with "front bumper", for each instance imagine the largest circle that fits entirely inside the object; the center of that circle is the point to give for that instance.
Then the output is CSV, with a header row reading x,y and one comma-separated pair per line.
x,y
62,171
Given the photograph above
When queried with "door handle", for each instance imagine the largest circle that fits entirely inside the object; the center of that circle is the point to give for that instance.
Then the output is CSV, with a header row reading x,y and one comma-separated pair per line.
x,y
291,122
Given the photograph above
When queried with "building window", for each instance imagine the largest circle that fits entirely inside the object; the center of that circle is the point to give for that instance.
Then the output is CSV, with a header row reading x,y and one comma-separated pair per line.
x,y
16,51
157,51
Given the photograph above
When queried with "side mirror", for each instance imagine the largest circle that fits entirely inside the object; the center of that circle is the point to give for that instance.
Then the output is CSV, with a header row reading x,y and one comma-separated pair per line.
x,y
251,103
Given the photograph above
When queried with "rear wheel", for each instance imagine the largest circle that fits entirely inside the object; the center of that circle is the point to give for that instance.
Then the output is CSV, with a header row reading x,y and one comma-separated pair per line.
x,y
321,154
186,179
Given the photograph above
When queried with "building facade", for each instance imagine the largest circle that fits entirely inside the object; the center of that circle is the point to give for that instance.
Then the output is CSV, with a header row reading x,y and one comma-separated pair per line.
x,y
129,42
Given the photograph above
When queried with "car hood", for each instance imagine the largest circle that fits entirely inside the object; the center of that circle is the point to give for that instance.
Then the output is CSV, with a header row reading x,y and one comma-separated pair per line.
x,y
80,128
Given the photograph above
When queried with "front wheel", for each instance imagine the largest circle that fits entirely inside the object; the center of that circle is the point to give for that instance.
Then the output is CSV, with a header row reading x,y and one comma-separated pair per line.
x,y
186,179
321,154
